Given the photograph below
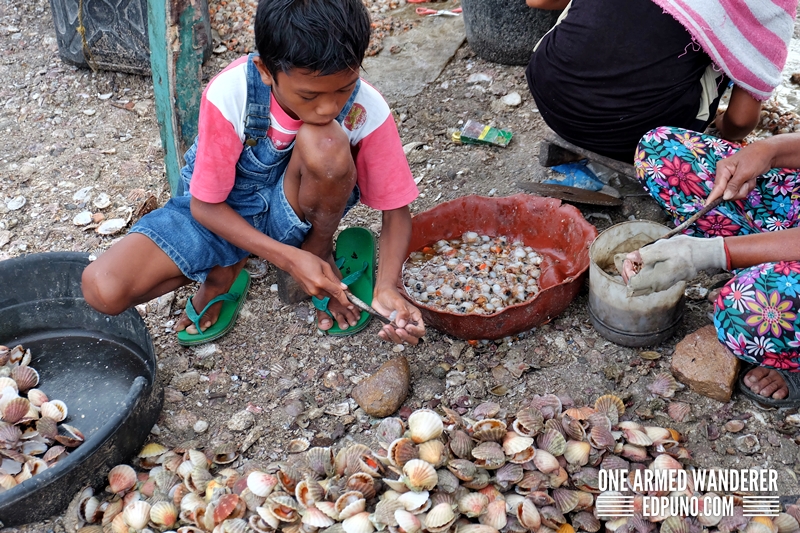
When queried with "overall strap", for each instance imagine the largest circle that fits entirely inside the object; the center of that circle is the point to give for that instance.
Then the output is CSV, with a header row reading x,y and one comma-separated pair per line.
x,y
349,104
256,122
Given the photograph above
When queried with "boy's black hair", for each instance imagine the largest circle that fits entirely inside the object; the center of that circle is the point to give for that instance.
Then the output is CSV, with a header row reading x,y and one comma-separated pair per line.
x,y
323,36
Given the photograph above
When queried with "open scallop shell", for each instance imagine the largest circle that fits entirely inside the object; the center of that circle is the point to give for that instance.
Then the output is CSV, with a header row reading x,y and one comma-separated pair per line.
x,y
549,405
489,429
639,438
349,504
489,455
528,515
361,482
309,491
528,422
54,410
513,443
415,502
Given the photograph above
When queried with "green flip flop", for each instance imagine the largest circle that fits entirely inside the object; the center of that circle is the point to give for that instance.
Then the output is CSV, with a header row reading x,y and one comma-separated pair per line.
x,y
232,302
355,257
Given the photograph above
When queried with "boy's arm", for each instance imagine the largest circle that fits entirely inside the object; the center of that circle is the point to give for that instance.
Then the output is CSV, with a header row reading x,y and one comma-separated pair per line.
x,y
395,236
314,275
741,116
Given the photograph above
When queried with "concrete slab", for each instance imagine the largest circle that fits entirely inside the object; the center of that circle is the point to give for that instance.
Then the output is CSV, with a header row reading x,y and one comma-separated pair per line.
x,y
420,55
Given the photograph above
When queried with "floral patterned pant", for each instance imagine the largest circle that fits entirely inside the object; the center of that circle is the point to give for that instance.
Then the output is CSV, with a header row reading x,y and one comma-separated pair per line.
x,y
756,313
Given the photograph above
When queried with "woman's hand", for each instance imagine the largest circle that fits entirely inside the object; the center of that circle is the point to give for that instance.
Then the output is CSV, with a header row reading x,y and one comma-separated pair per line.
x,y
410,327
736,175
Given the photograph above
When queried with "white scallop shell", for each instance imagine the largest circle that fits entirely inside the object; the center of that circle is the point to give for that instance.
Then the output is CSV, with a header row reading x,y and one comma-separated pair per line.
x,y
359,523
137,514
15,203
112,226
54,410
83,218
102,201
424,425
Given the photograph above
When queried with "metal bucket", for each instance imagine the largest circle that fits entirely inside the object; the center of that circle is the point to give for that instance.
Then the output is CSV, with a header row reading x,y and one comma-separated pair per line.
x,y
630,321
555,230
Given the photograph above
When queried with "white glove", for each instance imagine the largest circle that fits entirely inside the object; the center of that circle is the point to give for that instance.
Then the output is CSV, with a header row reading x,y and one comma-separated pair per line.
x,y
669,261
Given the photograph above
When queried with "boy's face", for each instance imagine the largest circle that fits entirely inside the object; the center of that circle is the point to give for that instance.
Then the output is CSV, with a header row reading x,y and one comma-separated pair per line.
x,y
308,97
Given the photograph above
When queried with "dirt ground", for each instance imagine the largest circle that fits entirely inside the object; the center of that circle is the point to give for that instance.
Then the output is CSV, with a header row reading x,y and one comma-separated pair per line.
x,y
65,129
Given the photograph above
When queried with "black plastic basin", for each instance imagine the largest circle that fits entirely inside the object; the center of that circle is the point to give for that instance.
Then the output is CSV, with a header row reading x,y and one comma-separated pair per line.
x,y
102,367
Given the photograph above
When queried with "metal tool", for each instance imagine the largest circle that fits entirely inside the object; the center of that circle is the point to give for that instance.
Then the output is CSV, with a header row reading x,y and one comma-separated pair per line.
x,y
364,306
424,11
570,194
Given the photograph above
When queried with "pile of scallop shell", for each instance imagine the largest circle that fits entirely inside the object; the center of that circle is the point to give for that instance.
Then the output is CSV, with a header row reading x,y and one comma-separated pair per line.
x,y
476,274
33,436
536,471
777,119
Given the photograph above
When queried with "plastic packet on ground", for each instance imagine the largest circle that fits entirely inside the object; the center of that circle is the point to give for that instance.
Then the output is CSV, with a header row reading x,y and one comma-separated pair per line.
x,y
476,133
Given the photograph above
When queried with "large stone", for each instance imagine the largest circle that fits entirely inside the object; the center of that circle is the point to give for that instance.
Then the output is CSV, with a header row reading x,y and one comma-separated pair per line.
x,y
384,392
705,365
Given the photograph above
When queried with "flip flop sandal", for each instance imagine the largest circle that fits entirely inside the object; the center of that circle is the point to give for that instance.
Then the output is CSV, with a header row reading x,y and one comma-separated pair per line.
x,y
792,380
232,302
355,257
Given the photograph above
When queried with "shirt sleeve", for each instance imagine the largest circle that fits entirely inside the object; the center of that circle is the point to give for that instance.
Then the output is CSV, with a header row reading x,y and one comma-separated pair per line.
x,y
384,178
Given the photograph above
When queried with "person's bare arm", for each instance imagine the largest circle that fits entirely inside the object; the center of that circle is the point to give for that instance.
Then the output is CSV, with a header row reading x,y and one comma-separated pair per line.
x,y
313,274
741,116
547,4
749,250
736,175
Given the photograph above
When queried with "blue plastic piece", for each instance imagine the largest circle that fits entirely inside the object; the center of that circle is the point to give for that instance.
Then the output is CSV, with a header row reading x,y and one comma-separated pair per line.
x,y
577,175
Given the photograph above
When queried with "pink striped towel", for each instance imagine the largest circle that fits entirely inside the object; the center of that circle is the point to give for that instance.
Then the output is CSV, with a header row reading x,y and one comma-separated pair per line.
x,y
748,39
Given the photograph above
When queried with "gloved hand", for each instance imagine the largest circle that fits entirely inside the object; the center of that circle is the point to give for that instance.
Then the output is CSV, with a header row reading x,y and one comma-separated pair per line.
x,y
667,262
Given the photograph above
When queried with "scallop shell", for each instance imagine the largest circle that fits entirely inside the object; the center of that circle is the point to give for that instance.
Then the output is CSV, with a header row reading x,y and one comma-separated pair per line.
x,y
509,474
580,413
297,445
549,405
614,462
678,411
388,430
786,523
545,462
261,484
566,500
288,477
523,457
611,406
313,517
565,528
102,201
111,226
225,453
407,522
634,453
447,481
461,444
359,523
424,425
639,438
665,462
309,491
385,509
675,524
480,481
463,469
349,504
432,451
486,410
664,385
573,428
121,478
284,507
528,422
473,504
552,442
602,438
554,424
657,434
586,521
495,515
415,502
150,450
25,377
320,460
439,518
361,482
513,443
577,452
733,426
136,514
5,382
475,528
15,410
528,515
419,475
489,429
489,455
164,514
54,410
329,508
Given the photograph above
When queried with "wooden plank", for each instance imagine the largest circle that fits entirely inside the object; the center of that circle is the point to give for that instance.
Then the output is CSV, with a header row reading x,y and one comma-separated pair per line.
x,y
552,137
179,33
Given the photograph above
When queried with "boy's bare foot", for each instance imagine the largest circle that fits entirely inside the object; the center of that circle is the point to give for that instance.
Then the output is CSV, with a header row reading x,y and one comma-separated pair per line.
x,y
218,282
766,382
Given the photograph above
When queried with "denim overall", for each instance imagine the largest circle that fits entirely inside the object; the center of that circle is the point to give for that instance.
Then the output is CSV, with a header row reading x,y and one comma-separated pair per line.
x,y
257,195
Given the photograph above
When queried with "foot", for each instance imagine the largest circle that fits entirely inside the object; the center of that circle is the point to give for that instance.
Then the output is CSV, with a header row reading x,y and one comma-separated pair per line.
x,y
344,317
766,382
218,282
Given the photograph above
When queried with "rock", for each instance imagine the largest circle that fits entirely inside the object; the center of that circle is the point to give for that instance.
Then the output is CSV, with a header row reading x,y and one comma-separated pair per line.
x,y
200,426
241,421
181,421
186,381
512,99
385,391
5,237
428,387
172,396
164,303
205,363
705,365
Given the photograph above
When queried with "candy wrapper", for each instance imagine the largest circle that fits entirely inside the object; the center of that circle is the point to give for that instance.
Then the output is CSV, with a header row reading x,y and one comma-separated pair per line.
x,y
476,133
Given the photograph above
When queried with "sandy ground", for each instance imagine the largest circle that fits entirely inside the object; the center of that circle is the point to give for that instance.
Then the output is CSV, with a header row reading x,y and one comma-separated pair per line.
x,y
66,128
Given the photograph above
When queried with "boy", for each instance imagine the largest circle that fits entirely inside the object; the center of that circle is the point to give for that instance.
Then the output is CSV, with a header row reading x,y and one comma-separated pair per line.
x,y
288,140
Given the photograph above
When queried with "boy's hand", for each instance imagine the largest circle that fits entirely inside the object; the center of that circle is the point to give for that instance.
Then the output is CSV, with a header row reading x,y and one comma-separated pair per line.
x,y
409,320
316,277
